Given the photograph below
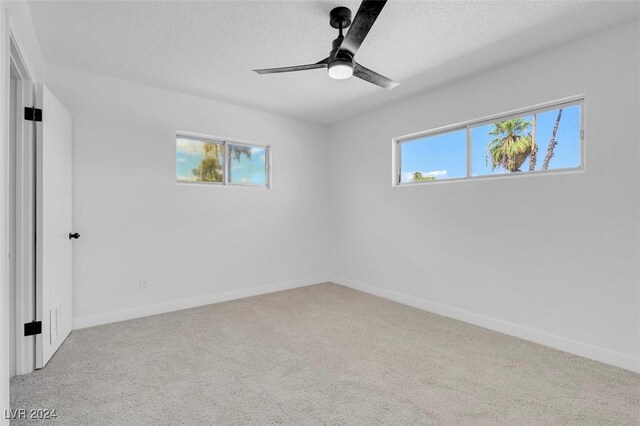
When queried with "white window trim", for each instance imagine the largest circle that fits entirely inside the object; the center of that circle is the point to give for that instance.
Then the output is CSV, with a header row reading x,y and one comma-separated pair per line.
x,y
225,142
468,125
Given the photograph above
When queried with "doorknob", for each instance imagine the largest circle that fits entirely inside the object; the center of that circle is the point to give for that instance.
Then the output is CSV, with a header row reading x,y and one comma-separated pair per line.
x,y
74,236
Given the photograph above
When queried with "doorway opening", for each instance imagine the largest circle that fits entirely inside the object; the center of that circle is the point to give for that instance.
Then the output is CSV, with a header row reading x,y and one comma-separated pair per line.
x,y
21,215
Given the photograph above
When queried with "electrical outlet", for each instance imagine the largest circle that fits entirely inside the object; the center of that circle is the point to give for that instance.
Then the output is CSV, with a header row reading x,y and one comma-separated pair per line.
x,y
144,284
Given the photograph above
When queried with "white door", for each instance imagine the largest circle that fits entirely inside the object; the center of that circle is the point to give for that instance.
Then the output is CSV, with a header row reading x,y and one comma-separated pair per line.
x,y
53,225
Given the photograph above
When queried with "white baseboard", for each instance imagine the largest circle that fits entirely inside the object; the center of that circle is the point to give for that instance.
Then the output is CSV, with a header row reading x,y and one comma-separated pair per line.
x,y
557,342
145,311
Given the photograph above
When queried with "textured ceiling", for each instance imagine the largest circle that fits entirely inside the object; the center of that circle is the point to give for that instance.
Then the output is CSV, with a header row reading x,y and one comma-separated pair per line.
x,y
208,49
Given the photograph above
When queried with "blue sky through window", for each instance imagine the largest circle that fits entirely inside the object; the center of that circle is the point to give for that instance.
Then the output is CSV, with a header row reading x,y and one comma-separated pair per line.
x,y
247,169
441,156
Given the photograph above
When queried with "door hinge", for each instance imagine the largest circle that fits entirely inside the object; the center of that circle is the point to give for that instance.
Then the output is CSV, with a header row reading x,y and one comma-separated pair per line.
x,y
32,114
33,328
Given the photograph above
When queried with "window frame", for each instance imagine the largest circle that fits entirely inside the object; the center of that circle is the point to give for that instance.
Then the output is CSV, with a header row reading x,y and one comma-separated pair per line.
x,y
225,142
468,125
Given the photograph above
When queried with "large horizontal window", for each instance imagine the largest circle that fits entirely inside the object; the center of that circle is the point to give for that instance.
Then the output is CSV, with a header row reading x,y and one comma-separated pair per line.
x,y
204,160
534,141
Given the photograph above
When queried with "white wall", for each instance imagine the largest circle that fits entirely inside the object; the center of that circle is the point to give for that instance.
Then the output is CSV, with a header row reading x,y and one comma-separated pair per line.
x,y
196,244
438,246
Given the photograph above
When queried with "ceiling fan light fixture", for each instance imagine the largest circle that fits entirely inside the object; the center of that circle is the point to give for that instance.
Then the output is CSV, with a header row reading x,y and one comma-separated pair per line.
x,y
340,70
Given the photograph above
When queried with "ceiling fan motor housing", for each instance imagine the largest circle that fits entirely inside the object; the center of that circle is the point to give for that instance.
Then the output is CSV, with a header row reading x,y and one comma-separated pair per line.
x,y
341,63
341,56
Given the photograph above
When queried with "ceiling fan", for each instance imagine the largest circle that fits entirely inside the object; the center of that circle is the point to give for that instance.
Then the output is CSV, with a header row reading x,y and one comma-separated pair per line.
x,y
340,62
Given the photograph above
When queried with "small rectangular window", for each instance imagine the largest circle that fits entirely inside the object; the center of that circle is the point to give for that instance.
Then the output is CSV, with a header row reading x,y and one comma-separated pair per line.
x,y
537,140
204,160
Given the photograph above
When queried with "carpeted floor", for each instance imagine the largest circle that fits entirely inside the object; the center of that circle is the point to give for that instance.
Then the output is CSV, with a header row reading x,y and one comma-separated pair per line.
x,y
323,354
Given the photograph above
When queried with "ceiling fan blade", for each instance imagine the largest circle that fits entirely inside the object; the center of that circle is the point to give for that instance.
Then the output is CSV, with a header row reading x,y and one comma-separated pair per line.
x,y
373,77
362,23
320,64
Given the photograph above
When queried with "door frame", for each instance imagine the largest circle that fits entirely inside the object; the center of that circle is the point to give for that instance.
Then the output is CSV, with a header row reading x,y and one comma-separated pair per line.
x,y
25,301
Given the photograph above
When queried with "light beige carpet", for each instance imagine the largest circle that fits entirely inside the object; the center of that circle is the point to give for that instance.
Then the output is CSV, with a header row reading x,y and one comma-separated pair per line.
x,y
323,354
